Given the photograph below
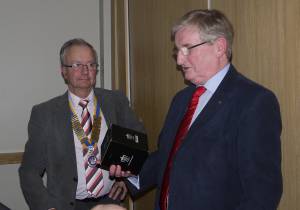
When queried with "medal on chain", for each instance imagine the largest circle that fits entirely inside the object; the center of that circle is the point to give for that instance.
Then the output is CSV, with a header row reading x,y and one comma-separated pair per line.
x,y
88,144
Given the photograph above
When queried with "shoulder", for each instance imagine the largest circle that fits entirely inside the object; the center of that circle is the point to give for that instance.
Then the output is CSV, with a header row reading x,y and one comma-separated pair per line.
x,y
46,111
52,103
248,87
110,95
106,92
242,86
248,94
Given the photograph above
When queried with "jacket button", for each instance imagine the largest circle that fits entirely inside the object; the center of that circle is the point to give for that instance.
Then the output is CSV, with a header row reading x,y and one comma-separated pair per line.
x,y
75,179
72,203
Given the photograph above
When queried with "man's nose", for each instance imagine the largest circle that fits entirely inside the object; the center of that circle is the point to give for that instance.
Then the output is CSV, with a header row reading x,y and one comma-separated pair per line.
x,y
85,69
180,58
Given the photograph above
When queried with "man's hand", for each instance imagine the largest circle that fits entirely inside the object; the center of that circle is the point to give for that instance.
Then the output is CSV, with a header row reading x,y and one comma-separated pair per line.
x,y
118,190
116,171
108,207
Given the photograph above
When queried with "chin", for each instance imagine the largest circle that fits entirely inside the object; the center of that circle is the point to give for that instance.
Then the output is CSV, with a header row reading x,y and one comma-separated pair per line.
x,y
190,79
195,81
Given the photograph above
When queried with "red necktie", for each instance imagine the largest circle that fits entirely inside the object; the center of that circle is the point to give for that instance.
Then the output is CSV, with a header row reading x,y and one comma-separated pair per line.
x,y
181,133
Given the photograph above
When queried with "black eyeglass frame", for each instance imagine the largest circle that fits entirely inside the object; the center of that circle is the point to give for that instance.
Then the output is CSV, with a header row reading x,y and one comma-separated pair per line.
x,y
186,50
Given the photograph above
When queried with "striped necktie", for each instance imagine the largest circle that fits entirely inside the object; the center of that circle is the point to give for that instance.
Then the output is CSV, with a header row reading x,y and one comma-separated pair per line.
x,y
86,122
93,175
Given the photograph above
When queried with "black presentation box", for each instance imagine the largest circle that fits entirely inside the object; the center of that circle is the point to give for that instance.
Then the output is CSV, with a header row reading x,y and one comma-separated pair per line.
x,y
125,147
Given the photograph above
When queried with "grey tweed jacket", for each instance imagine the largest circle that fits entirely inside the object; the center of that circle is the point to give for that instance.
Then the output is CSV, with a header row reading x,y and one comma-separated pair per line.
x,y
50,148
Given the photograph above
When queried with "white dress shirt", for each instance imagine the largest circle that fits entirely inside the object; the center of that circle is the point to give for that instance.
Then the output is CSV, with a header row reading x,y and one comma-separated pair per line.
x,y
81,191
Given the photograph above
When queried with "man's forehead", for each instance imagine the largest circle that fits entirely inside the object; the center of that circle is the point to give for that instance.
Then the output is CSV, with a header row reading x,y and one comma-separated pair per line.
x,y
186,35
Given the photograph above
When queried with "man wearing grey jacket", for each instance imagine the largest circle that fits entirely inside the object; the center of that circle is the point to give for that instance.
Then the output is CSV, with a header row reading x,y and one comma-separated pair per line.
x,y
65,136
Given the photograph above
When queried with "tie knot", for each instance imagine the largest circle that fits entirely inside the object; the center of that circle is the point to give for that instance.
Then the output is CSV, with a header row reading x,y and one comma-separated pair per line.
x,y
199,91
83,103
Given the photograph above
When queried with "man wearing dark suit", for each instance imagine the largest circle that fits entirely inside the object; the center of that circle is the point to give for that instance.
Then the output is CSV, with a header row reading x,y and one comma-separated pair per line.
x,y
229,157
64,138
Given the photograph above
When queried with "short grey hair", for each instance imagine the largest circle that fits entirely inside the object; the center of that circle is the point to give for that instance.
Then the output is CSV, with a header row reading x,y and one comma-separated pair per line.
x,y
212,24
75,42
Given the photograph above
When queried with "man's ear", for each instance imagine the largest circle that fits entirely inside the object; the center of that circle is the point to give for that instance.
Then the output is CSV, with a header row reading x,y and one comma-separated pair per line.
x,y
221,46
63,73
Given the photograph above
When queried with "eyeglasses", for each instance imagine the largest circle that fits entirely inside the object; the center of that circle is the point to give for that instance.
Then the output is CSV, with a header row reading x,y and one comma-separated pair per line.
x,y
80,66
187,50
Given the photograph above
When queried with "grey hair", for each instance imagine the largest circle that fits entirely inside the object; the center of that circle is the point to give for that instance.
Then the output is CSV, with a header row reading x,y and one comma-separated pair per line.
x,y
212,24
75,42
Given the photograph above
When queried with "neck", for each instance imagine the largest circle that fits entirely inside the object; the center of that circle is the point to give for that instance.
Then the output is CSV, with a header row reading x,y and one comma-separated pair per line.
x,y
222,62
81,93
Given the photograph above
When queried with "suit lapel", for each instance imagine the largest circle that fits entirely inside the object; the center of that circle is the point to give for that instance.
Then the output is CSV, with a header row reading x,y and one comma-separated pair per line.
x,y
104,107
63,121
219,99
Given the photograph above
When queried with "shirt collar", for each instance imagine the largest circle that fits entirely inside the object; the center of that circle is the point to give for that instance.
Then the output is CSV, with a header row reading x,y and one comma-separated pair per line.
x,y
212,84
75,99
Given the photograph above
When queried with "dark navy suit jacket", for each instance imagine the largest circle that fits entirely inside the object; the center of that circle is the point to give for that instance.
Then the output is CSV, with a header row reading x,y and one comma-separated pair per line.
x,y
231,156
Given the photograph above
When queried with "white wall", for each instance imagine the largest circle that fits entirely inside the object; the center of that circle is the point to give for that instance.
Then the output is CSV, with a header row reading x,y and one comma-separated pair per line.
x,y
31,34
10,193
